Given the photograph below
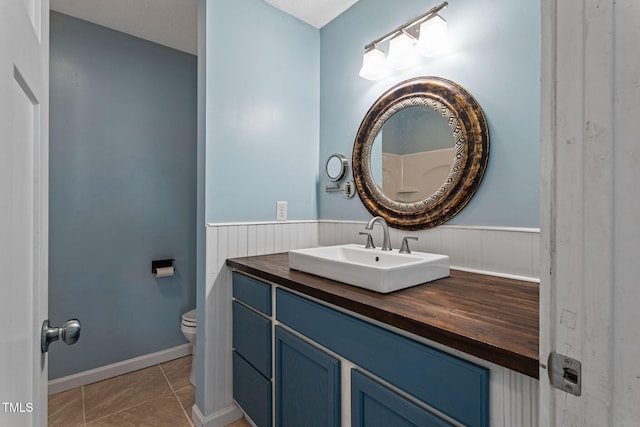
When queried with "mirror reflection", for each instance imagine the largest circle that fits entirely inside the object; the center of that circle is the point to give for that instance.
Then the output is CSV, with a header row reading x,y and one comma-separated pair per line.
x,y
412,154
336,167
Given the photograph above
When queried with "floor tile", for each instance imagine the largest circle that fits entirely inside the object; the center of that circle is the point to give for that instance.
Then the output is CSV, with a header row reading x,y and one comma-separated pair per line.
x,y
125,391
66,409
164,411
187,398
177,372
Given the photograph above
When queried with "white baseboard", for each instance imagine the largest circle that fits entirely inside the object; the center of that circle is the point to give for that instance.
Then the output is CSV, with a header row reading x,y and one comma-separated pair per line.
x,y
219,419
113,370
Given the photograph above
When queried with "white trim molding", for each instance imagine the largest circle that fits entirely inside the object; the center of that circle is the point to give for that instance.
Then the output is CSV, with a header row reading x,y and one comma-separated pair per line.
x,y
221,418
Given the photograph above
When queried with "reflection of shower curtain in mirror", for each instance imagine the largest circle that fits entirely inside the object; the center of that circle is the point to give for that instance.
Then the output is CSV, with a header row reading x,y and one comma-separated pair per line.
x,y
416,176
377,161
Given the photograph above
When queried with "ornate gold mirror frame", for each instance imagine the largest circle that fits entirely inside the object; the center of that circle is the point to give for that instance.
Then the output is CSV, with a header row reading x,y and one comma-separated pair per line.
x,y
470,133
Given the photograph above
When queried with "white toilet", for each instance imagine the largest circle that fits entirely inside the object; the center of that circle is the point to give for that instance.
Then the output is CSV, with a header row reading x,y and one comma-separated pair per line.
x,y
188,328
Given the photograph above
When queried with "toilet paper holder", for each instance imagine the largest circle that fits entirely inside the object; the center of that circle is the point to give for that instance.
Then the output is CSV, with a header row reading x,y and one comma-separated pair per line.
x,y
161,263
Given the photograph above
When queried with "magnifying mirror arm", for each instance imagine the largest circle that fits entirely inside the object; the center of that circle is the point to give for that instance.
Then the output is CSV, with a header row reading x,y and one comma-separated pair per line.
x,y
332,189
349,189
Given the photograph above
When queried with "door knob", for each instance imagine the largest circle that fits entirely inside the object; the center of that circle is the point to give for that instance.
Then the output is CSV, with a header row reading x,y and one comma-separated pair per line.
x,y
69,332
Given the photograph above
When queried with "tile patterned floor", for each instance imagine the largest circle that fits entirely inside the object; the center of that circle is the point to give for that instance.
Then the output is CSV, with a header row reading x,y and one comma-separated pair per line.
x,y
157,396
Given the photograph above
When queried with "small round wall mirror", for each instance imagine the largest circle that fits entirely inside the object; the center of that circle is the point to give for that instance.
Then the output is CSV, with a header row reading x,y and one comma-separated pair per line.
x,y
420,153
336,167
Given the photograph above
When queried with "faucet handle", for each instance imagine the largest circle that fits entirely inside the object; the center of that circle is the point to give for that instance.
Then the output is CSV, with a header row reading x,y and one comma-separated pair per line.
x,y
404,247
370,244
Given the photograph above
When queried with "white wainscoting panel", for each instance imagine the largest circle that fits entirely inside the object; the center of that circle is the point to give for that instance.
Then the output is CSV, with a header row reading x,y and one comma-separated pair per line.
x,y
514,399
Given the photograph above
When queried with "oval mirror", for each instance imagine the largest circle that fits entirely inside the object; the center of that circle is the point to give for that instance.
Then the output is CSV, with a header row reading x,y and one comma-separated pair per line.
x,y
420,153
336,167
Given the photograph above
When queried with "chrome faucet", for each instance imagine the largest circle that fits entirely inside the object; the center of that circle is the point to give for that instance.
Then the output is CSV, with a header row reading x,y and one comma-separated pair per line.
x,y
386,245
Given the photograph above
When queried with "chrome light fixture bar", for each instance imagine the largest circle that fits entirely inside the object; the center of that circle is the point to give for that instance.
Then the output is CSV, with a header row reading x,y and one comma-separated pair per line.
x,y
404,47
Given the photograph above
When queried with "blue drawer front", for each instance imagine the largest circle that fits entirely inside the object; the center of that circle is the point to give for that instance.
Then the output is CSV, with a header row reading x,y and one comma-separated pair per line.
x,y
252,391
307,384
453,386
252,292
252,338
374,405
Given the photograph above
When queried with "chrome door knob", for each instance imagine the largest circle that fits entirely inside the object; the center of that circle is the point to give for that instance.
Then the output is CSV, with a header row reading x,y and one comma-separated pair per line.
x,y
69,332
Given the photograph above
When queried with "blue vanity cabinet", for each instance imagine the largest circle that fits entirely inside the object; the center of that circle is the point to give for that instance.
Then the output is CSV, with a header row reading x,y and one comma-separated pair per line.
x,y
307,384
395,380
252,340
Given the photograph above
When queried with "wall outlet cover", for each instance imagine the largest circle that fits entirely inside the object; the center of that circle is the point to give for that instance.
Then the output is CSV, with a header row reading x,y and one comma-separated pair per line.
x,y
281,211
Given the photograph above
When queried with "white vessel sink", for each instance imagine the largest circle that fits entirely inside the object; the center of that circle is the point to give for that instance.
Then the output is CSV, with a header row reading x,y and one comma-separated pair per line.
x,y
373,269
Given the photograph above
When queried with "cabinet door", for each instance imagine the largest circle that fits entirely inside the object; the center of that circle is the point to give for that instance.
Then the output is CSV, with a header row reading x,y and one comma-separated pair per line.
x,y
307,384
374,405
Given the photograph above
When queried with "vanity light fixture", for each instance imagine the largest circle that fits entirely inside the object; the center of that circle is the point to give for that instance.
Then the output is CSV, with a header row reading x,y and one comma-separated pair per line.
x,y
424,35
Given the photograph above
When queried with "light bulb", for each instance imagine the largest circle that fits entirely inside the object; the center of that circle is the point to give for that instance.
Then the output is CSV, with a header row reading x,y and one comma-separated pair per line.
x,y
434,36
374,65
401,52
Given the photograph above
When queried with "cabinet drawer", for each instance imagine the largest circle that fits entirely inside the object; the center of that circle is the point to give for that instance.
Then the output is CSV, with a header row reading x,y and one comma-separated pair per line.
x,y
252,338
252,391
374,405
453,386
252,292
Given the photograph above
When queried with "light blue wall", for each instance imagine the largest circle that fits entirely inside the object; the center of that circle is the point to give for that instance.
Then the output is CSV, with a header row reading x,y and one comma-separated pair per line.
x,y
495,56
262,112
259,113
122,192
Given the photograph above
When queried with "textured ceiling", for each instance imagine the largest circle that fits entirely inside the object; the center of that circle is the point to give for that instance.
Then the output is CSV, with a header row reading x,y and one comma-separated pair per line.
x,y
174,23
171,23
314,12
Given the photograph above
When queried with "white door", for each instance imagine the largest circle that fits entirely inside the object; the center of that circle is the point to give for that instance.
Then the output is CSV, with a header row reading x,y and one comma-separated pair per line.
x,y
590,273
24,77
